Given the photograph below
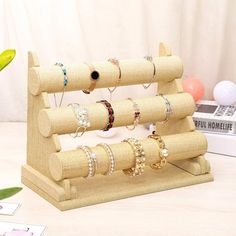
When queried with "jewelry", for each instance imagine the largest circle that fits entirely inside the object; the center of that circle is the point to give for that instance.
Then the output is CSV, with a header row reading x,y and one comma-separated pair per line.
x,y
110,111
136,115
149,58
111,158
94,76
139,155
115,62
164,152
169,110
65,82
82,117
92,161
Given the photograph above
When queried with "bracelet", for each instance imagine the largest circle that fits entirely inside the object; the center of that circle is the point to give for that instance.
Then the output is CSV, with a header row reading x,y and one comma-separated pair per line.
x,y
82,117
136,115
169,110
65,82
111,158
92,161
110,111
94,76
164,152
150,59
139,155
115,62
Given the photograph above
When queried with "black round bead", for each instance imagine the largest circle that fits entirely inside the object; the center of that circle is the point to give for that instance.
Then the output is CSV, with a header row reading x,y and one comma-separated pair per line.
x,y
95,75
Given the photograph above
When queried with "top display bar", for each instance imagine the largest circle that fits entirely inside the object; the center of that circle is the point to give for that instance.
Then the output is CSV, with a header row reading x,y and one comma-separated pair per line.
x,y
131,72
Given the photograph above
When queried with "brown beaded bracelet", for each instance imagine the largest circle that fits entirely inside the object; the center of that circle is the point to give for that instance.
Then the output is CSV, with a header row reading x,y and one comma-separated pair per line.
x,y
111,117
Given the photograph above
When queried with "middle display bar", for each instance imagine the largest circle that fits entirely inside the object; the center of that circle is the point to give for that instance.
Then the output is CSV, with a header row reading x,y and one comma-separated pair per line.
x,y
63,120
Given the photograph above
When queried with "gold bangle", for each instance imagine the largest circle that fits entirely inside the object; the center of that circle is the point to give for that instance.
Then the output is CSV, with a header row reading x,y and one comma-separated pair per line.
x,y
139,155
115,62
94,76
164,152
110,154
136,115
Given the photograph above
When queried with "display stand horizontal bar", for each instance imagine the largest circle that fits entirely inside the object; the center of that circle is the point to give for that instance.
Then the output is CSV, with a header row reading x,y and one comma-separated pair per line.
x,y
63,120
133,71
71,164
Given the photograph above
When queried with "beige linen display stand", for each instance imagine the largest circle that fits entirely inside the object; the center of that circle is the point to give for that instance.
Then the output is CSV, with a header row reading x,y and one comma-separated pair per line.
x,y
58,175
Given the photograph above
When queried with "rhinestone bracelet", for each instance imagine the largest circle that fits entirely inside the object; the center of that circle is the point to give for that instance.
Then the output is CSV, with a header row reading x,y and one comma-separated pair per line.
x,y
111,158
82,117
110,111
92,160
164,152
139,155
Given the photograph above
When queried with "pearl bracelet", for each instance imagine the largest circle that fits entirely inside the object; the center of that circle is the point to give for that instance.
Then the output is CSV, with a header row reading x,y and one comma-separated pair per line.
x,y
111,158
92,160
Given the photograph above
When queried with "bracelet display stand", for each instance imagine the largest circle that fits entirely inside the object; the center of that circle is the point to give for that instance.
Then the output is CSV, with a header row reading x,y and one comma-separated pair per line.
x,y
58,175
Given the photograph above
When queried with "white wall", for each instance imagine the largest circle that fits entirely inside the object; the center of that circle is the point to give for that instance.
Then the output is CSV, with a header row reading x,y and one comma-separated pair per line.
x,y
202,33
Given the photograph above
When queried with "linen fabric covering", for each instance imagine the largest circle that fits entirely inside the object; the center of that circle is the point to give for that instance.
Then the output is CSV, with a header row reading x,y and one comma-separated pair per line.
x,y
202,33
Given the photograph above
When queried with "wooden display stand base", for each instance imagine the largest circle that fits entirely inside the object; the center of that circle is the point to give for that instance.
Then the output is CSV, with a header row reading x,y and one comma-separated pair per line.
x,y
101,189
58,176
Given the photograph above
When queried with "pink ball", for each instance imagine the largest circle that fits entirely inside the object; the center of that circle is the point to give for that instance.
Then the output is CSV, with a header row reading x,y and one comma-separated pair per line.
x,y
194,87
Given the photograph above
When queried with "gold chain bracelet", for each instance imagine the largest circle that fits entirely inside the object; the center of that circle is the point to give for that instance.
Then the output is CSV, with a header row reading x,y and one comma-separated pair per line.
x,y
139,154
164,152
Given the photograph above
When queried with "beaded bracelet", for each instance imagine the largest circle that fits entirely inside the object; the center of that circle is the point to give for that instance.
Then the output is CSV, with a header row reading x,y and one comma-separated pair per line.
x,y
92,160
111,158
82,117
110,111
149,58
164,152
139,155
94,76
65,82
136,115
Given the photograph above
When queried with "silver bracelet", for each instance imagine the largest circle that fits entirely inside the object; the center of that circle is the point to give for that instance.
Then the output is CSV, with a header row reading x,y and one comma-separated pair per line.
x,y
82,117
150,59
169,110
111,158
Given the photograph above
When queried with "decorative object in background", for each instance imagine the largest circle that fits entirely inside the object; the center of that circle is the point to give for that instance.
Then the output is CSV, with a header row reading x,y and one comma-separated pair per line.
x,y
194,87
5,58
19,232
8,208
213,118
15,229
225,93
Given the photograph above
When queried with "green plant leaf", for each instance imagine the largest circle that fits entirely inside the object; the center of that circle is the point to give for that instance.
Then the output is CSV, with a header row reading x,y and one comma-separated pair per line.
x,y
6,57
8,192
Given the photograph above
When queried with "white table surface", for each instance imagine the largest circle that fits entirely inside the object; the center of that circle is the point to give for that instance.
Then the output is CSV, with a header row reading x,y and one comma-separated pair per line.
x,y
204,209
